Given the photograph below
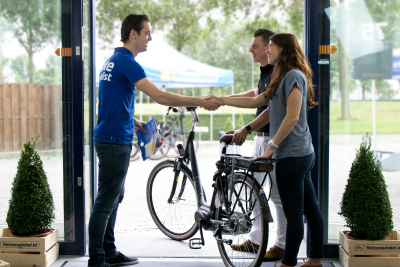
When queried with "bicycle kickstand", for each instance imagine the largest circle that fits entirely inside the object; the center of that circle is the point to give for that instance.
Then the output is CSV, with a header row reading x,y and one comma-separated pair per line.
x,y
196,243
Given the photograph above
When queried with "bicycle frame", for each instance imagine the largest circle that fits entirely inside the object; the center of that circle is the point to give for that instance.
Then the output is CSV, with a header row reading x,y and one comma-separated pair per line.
x,y
205,212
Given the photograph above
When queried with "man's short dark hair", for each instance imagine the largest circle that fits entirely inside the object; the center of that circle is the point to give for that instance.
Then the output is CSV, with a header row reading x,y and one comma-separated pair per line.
x,y
132,21
265,34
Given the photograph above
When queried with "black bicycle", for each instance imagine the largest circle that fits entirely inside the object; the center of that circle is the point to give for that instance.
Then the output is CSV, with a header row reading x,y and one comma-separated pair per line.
x,y
175,193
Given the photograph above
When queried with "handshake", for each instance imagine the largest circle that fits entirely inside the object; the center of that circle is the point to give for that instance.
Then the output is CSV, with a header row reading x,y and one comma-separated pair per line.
x,y
212,102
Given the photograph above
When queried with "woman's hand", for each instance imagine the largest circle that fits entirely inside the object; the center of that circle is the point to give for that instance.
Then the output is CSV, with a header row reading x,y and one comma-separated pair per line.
x,y
267,154
139,125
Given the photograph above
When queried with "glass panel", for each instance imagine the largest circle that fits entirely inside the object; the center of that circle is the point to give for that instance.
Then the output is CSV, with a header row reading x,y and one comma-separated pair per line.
x,y
364,95
87,96
31,95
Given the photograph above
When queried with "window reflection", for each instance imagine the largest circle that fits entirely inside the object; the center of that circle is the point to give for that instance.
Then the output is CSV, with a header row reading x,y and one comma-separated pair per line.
x,y
364,95
30,86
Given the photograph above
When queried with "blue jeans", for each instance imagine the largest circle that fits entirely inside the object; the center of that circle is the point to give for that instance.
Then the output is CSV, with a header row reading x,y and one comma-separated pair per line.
x,y
293,178
114,161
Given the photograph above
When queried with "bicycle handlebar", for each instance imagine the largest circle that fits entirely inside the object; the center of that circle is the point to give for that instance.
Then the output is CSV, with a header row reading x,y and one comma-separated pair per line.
x,y
225,138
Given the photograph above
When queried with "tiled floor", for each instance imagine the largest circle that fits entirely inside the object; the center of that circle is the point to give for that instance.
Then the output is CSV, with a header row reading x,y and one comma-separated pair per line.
x,y
154,249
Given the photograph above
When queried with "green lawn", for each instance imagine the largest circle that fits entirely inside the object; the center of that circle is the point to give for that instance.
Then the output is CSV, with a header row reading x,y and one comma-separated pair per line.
x,y
387,118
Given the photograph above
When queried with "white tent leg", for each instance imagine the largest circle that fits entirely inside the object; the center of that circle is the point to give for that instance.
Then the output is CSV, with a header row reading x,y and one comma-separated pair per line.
x,y
141,106
165,109
211,126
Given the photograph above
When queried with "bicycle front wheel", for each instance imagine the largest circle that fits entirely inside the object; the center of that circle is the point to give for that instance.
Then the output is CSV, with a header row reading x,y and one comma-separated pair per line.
x,y
174,219
248,217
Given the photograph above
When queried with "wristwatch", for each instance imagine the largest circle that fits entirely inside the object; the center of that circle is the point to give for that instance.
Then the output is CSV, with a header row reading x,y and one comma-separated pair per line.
x,y
272,143
248,128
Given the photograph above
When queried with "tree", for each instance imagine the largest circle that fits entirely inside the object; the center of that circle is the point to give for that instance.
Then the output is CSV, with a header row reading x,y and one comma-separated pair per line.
x,y
20,68
382,87
218,33
380,12
181,19
34,23
52,73
217,50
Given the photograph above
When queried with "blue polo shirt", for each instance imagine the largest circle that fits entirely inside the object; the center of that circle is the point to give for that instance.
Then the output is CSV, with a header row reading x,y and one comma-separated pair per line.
x,y
117,97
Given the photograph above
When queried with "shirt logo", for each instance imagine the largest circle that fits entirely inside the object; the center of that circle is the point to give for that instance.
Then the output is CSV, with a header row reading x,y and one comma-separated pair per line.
x,y
107,67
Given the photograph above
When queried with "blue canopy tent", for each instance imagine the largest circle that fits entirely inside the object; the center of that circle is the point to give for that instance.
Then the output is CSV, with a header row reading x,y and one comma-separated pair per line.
x,y
168,68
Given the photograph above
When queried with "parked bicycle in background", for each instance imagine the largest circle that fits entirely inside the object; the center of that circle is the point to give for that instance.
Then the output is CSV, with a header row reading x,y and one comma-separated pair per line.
x,y
172,134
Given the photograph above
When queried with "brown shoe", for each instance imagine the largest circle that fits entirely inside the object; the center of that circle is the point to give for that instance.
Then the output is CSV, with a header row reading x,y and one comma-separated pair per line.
x,y
273,254
246,246
305,264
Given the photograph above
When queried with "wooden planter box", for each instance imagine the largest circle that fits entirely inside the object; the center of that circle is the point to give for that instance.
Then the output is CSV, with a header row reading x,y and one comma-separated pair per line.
x,y
28,251
369,253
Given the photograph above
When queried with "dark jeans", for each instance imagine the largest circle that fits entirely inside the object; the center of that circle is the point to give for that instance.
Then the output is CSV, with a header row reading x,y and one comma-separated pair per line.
x,y
114,161
293,178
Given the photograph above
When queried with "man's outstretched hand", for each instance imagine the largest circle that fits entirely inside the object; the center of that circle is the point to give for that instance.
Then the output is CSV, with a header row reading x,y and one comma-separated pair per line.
x,y
211,103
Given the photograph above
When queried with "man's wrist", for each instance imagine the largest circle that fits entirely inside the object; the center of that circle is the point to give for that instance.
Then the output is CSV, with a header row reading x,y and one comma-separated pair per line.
x,y
248,128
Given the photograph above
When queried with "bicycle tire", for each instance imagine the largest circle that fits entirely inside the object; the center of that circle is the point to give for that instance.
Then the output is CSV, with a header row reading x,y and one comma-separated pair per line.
x,y
175,220
135,154
162,151
237,258
175,139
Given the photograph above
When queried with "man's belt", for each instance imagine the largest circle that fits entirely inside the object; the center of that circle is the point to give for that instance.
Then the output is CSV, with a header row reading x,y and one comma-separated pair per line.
x,y
262,134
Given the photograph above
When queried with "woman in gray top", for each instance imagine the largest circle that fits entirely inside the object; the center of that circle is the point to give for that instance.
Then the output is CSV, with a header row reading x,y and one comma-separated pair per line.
x,y
288,96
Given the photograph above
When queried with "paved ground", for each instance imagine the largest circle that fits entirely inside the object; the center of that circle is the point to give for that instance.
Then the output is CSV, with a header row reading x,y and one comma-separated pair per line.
x,y
134,221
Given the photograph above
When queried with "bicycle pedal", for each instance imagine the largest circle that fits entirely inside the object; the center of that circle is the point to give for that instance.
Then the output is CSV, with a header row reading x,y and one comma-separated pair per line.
x,y
195,243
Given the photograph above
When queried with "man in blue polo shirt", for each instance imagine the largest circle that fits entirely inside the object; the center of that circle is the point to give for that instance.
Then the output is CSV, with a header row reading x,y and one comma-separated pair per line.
x,y
119,77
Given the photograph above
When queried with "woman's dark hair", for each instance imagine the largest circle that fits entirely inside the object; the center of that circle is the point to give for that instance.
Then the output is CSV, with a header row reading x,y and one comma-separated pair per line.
x,y
132,21
292,57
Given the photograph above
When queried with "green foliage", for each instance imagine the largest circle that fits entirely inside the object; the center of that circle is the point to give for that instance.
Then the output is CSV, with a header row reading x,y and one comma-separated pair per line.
x,y
31,209
20,68
34,23
365,204
52,73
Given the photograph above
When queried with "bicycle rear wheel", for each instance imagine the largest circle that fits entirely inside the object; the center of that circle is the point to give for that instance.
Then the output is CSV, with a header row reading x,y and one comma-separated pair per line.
x,y
175,219
175,140
135,154
242,221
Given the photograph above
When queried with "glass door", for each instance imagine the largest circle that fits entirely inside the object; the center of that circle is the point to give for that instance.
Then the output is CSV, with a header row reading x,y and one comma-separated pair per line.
x,y
41,99
364,95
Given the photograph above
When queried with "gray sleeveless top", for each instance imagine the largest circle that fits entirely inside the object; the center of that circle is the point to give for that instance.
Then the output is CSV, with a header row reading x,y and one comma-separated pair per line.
x,y
298,143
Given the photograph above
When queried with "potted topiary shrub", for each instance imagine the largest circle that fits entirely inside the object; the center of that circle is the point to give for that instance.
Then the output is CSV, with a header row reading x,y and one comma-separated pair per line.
x,y
366,209
31,207
29,239
365,203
